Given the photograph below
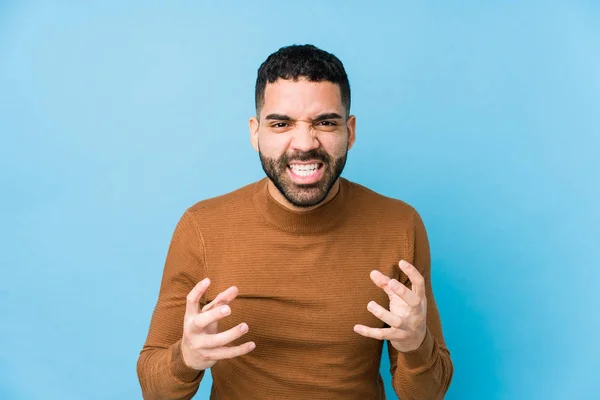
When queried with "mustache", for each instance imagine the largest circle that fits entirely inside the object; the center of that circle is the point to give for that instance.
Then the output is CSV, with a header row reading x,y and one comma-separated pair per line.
x,y
305,156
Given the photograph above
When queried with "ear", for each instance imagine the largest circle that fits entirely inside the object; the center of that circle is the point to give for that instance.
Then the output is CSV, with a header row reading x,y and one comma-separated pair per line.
x,y
253,124
351,126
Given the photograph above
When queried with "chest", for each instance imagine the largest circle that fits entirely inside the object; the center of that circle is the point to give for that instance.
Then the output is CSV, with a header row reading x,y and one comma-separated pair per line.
x,y
295,290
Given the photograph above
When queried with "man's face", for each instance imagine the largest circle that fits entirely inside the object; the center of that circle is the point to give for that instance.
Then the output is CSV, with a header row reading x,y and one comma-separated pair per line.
x,y
303,138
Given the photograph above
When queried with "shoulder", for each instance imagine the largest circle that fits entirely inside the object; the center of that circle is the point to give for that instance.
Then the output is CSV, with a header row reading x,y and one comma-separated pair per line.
x,y
234,202
369,201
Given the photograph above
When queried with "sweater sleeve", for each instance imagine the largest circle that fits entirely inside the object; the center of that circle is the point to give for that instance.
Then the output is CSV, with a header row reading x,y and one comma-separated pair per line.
x,y
161,369
424,373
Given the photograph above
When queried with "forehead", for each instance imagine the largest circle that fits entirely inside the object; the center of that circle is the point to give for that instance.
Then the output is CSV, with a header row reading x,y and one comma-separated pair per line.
x,y
302,98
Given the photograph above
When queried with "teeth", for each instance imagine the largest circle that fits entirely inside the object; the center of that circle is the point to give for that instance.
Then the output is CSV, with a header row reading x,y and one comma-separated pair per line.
x,y
304,170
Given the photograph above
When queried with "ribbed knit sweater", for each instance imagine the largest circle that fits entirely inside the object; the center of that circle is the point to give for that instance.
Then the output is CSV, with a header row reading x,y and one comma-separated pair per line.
x,y
303,280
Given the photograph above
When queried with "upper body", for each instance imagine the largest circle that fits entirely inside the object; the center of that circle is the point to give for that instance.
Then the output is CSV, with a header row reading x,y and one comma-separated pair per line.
x,y
303,282
287,288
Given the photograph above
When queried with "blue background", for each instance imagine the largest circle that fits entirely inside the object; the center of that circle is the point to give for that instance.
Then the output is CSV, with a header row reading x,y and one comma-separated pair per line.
x,y
484,116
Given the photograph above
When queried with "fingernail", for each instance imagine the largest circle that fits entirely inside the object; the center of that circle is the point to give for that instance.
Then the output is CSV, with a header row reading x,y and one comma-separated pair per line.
x,y
225,310
205,282
244,328
252,346
370,306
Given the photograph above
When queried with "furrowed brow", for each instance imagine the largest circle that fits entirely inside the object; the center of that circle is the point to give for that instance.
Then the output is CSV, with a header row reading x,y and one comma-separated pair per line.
x,y
323,117
279,117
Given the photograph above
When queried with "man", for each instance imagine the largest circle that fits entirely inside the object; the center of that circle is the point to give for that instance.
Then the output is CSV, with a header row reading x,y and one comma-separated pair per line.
x,y
286,288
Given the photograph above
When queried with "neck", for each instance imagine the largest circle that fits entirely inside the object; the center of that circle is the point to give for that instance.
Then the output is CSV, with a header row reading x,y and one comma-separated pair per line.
x,y
280,198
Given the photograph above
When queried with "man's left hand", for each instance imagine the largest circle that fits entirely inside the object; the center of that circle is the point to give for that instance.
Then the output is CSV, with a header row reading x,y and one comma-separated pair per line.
x,y
406,317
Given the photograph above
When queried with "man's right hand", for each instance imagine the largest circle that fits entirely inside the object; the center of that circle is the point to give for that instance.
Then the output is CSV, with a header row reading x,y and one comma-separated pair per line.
x,y
201,345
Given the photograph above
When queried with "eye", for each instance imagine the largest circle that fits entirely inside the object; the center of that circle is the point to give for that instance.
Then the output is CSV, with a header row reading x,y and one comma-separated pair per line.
x,y
327,123
280,125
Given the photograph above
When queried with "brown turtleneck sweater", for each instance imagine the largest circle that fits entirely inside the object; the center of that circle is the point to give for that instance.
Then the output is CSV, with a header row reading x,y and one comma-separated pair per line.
x,y
303,280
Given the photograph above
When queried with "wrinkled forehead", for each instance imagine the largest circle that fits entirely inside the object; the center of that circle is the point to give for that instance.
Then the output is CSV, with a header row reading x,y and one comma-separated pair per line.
x,y
302,98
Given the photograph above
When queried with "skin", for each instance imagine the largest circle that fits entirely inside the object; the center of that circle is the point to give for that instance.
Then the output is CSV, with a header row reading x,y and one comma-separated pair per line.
x,y
407,316
292,123
302,121
201,345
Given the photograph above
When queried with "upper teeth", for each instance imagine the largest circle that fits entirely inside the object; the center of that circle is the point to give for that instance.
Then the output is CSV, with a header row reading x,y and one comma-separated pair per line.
x,y
304,169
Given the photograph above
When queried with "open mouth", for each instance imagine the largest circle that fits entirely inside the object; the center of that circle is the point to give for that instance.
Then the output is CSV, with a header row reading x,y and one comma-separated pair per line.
x,y
306,172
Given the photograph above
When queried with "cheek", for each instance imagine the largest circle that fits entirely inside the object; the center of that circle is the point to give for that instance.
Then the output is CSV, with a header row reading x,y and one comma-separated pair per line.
x,y
273,145
335,144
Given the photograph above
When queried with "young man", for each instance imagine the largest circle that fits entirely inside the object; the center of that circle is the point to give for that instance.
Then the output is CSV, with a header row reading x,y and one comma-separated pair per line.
x,y
286,288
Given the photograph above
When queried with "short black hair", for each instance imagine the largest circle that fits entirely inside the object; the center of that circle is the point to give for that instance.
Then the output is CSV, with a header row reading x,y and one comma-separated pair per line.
x,y
301,61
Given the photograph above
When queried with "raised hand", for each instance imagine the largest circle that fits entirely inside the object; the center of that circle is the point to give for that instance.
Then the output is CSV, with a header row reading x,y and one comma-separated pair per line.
x,y
201,345
407,315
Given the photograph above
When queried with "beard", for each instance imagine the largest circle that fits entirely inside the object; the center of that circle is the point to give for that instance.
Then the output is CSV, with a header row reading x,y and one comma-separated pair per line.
x,y
303,195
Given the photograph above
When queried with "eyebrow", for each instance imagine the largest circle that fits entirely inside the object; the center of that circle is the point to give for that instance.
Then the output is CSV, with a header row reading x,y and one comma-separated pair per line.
x,y
320,117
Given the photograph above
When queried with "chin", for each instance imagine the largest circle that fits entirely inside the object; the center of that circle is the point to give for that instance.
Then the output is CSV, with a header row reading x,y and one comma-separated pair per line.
x,y
299,197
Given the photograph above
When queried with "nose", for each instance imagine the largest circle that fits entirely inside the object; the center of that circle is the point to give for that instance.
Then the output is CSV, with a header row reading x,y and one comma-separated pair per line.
x,y
304,139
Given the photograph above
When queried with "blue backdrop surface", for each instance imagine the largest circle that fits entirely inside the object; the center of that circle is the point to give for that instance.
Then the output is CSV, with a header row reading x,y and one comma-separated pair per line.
x,y
484,116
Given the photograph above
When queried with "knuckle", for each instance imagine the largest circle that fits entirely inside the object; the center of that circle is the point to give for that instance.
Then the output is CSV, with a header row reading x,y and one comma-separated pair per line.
x,y
194,320
402,335
413,323
197,323
201,350
197,347
187,328
209,342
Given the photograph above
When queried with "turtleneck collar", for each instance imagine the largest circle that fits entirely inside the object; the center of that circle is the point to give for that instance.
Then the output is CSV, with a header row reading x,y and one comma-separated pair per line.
x,y
316,220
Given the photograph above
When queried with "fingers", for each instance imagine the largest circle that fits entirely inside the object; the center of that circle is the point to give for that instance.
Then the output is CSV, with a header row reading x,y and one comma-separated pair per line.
x,y
417,280
394,321
378,278
224,338
225,297
413,297
202,320
204,350
223,353
375,333
193,297
381,281
409,297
